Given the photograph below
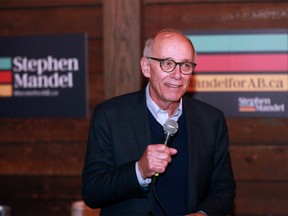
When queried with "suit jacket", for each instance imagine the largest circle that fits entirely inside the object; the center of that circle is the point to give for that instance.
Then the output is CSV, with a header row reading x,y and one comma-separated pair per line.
x,y
118,136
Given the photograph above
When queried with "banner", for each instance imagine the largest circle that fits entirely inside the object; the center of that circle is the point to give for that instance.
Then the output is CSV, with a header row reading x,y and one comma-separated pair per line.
x,y
43,76
243,73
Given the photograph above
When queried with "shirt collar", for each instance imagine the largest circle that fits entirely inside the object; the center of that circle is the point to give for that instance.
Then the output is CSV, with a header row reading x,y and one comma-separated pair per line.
x,y
159,114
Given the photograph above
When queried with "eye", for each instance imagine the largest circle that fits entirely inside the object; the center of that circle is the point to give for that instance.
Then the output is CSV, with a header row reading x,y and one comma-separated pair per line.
x,y
168,63
186,65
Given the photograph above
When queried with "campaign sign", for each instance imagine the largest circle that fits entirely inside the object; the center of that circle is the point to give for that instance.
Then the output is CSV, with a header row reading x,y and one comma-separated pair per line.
x,y
243,73
43,76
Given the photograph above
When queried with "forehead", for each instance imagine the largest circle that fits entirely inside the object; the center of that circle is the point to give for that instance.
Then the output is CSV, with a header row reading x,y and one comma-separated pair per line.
x,y
173,45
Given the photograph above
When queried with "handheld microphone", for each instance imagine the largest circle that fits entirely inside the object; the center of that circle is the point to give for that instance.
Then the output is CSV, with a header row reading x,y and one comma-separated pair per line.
x,y
170,128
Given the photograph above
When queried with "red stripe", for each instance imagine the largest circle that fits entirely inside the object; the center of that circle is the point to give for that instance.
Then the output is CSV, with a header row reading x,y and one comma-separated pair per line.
x,y
5,77
242,62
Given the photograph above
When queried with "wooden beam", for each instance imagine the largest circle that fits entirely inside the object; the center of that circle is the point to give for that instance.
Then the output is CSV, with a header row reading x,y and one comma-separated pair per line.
x,y
122,43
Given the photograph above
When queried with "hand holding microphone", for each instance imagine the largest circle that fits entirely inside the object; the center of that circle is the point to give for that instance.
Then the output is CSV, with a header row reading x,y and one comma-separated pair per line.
x,y
157,157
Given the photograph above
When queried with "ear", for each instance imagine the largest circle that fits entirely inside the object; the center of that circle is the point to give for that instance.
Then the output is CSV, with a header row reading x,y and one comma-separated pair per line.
x,y
145,67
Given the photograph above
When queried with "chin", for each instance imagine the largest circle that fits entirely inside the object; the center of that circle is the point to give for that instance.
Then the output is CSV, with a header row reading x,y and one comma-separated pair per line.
x,y
173,99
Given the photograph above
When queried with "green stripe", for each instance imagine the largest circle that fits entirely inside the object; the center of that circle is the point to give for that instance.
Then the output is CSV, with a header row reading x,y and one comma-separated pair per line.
x,y
240,43
5,63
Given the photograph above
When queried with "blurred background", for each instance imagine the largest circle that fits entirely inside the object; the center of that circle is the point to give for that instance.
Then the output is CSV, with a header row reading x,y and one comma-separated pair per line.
x,y
41,158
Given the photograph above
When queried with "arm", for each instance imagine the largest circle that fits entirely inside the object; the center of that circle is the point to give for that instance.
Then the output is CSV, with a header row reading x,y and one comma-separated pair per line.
x,y
221,193
104,180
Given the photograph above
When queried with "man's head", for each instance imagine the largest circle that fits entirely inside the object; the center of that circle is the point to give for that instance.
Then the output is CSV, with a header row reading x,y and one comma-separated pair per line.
x,y
168,81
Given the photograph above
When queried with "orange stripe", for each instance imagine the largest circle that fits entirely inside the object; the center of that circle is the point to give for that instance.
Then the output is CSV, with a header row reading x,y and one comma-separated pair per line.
x,y
247,109
5,90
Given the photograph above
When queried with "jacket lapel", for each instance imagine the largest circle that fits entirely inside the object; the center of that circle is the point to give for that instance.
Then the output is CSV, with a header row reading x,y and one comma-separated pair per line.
x,y
192,125
139,116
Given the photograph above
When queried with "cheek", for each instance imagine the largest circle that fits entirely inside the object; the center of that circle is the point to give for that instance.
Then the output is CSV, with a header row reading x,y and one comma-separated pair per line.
x,y
187,81
158,76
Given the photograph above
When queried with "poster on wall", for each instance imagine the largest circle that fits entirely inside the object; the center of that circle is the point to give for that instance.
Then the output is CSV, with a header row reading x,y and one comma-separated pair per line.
x,y
243,73
43,76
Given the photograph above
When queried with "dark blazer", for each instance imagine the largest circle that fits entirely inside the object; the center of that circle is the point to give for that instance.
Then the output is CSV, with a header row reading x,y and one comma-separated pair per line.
x,y
118,136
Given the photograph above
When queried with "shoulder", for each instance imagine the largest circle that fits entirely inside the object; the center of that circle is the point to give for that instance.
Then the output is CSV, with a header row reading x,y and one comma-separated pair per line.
x,y
201,108
123,103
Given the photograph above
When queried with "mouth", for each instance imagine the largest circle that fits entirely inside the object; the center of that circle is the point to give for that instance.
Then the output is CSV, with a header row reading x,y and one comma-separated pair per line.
x,y
169,85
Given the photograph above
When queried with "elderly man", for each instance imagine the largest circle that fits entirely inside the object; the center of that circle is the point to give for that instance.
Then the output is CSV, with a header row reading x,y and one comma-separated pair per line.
x,y
125,152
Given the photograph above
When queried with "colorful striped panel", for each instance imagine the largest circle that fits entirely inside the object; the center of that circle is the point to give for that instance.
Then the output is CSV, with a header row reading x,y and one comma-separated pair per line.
x,y
261,62
239,83
264,42
5,77
5,63
6,90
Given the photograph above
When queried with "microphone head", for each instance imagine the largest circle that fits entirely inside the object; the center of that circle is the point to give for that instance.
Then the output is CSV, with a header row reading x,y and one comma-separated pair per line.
x,y
170,126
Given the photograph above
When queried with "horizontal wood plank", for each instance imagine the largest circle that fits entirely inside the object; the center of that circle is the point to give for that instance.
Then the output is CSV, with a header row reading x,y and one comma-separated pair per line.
x,y
39,195
260,163
52,21
261,198
258,131
43,130
212,16
47,3
63,159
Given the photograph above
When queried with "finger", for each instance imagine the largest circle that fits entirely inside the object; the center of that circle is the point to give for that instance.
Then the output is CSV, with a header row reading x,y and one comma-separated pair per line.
x,y
173,151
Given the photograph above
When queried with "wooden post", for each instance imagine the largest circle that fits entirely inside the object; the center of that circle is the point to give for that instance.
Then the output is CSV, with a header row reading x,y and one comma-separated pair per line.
x,y
122,43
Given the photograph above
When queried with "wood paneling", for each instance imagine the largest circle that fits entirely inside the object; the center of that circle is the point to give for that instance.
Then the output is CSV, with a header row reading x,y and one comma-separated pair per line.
x,y
121,46
42,130
41,159
51,20
50,3
261,198
215,16
39,195
260,163
258,131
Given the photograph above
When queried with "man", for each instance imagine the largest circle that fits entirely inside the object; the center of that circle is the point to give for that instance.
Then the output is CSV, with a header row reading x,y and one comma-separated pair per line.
x,y
124,149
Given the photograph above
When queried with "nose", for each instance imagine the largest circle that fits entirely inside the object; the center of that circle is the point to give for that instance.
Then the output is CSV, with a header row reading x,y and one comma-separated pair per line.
x,y
176,73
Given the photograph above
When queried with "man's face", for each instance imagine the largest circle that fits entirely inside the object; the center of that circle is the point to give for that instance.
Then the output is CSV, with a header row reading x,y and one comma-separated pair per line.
x,y
167,88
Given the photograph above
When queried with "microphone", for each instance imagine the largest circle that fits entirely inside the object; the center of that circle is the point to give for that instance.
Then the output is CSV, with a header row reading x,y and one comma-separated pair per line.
x,y
170,128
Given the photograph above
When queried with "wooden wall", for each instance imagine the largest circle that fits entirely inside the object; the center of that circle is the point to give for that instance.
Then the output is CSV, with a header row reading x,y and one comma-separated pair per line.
x,y
41,159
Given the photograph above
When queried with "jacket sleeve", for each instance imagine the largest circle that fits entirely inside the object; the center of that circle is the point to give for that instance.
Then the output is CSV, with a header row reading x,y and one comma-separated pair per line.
x,y
103,181
221,192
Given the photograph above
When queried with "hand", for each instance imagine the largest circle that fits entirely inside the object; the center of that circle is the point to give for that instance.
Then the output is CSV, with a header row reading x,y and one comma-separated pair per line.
x,y
155,159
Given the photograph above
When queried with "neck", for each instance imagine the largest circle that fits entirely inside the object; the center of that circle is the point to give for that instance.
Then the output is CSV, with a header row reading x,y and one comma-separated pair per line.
x,y
169,107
